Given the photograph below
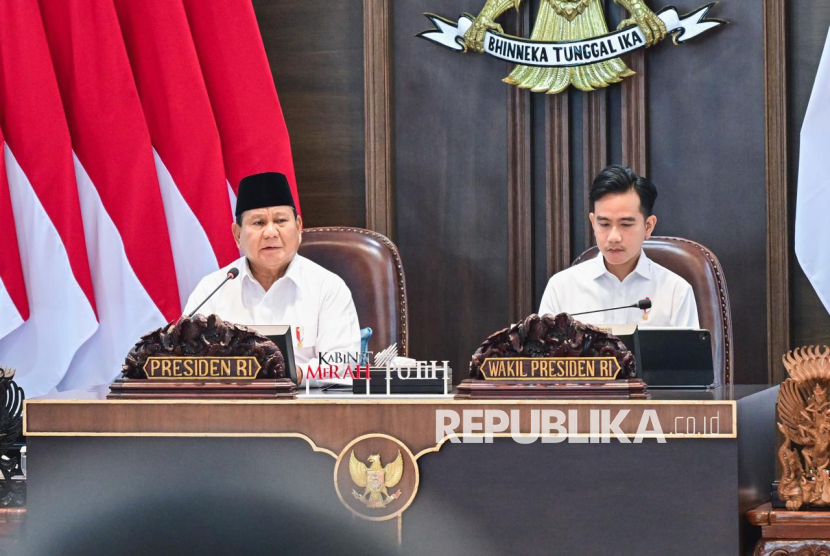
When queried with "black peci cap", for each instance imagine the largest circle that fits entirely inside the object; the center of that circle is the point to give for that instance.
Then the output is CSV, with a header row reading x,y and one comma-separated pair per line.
x,y
268,189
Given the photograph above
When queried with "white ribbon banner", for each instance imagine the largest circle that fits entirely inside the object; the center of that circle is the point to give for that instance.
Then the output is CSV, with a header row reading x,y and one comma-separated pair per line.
x,y
571,53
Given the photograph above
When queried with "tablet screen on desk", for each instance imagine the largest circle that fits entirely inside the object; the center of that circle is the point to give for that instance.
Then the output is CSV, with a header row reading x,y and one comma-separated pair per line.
x,y
280,334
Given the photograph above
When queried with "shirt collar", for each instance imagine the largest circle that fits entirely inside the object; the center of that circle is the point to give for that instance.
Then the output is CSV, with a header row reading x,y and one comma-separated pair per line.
x,y
293,272
598,269
643,267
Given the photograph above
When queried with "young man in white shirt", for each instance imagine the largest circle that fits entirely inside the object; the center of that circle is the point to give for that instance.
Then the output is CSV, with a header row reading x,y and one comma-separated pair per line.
x,y
275,284
622,218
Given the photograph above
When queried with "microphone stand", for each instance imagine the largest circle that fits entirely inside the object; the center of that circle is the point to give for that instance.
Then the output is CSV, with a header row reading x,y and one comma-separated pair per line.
x,y
632,306
231,275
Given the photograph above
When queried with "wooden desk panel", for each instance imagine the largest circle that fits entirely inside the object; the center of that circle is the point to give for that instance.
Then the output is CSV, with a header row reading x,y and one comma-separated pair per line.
x,y
328,425
91,462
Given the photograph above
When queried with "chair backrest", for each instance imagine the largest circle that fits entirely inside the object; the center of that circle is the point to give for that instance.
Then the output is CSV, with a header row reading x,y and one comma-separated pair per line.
x,y
370,265
698,266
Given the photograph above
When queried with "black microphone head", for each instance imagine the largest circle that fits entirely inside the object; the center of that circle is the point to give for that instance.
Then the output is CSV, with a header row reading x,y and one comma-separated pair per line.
x,y
644,304
234,272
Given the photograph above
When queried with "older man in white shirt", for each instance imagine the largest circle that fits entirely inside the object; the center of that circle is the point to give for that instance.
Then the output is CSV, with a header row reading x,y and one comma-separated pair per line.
x,y
275,284
621,217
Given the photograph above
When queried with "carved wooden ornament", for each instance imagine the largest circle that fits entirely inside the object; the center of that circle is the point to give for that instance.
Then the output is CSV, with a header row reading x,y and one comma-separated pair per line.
x,y
804,420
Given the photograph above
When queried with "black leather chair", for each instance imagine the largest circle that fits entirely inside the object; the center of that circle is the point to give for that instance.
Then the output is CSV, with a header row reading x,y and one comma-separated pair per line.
x,y
698,266
370,265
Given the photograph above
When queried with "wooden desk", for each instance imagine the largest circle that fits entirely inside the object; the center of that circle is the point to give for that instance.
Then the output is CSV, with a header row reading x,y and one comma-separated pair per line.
x,y
786,533
259,475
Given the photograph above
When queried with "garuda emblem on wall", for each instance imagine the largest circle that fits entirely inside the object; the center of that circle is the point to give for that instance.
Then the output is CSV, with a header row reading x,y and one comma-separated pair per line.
x,y
570,43
804,419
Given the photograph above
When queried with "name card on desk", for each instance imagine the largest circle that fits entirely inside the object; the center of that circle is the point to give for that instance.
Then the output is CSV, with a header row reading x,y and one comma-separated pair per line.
x,y
201,368
550,368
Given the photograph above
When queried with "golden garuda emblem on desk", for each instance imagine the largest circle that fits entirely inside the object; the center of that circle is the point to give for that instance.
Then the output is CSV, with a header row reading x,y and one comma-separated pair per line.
x,y
570,43
376,480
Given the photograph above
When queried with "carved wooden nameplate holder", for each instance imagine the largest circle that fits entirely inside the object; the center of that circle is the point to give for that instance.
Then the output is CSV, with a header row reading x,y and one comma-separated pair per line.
x,y
203,357
552,357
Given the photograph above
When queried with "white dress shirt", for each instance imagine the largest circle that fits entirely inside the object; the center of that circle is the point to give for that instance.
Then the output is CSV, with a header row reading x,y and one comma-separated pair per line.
x,y
589,286
315,302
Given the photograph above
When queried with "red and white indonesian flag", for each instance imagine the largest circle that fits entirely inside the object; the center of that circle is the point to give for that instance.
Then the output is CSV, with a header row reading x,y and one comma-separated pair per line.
x,y
242,92
125,226
123,124
187,150
812,234
44,196
14,306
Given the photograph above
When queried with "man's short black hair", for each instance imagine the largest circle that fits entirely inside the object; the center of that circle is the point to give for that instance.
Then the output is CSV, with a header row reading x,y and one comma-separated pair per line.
x,y
239,216
617,179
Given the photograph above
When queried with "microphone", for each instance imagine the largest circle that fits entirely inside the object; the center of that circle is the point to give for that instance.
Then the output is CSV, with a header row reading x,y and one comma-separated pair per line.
x,y
642,304
232,273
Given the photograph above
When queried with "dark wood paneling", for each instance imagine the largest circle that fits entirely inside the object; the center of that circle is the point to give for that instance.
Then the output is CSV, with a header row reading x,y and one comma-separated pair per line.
x,y
580,228
615,106
315,50
706,156
543,247
778,243
520,255
558,183
807,24
451,179
594,149
462,141
634,115
380,200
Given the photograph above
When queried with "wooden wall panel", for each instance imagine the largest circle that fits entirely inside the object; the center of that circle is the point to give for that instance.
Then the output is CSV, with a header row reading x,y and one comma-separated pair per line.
x,y
778,242
519,188
579,218
706,156
594,151
635,116
489,182
542,188
315,50
377,62
558,183
451,183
